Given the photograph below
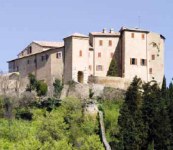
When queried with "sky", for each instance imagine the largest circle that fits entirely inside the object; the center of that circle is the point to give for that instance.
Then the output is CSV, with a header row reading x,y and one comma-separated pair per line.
x,y
23,21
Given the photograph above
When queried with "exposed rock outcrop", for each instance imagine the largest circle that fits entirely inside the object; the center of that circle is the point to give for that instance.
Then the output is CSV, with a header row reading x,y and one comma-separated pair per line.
x,y
74,89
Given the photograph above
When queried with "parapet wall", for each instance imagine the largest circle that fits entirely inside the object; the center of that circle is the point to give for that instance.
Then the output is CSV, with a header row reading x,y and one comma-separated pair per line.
x,y
115,82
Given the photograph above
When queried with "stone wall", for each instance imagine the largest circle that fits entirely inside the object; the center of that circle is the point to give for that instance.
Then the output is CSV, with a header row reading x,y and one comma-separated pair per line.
x,y
9,84
115,82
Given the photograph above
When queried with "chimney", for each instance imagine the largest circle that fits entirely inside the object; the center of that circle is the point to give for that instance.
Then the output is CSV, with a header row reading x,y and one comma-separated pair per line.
x,y
104,30
112,30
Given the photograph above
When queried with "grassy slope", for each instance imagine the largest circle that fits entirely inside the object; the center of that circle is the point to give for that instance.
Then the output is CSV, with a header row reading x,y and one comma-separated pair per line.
x,y
111,113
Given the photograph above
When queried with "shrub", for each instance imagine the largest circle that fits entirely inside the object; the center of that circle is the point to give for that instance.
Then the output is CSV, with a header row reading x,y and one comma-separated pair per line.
x,y
32,83
57,88
41,88
27,99
91,93
24,114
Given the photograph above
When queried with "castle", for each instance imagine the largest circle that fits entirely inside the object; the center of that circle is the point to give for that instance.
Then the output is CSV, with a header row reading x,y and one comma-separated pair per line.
x,y
78,57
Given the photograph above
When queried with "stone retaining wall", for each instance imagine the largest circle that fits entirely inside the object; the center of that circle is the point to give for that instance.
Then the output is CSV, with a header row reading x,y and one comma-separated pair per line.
x,y
115,82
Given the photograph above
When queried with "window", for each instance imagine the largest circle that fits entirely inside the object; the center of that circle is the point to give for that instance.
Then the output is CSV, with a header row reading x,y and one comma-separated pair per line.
x,y
47,56
35,60
133,61
100,42
143,62
99,67
42,58
80,53
29,50
17,69
28,61
132,35
110,42
143,36
150,70
59,55
152,57
90,67
112,55
99,54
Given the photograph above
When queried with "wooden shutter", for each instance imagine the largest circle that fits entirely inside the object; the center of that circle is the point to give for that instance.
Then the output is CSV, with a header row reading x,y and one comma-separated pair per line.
x,y
135,61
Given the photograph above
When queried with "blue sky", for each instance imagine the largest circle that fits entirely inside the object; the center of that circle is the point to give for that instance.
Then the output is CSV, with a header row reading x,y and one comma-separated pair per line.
x,y
22,21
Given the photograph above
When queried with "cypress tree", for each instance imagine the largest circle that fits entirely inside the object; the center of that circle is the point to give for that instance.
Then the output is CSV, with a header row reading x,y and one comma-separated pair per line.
x,y
149,112
130,119
113,69
164,89
170,91
170,111
155,117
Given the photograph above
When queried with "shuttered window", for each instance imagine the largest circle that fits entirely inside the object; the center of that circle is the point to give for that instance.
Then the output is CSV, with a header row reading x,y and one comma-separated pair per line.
x,y
133,61
143,62
110,42
100,42
80,53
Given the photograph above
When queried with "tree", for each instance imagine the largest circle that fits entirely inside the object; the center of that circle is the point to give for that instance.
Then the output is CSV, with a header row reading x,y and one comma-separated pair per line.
x,y
130,119
57,88
170,92
155,117
164,89
113,69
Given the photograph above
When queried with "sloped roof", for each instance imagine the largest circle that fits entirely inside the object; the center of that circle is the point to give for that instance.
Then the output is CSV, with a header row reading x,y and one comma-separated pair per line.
x,y
49,44
77,35
105,34
133,29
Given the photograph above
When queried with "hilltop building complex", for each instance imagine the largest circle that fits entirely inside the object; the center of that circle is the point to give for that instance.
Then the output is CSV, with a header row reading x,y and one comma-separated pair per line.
x,y
136,52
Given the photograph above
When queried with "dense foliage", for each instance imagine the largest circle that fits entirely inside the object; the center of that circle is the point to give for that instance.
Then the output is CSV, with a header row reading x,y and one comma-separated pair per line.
x,y
145,117
143,121
34,85
64,128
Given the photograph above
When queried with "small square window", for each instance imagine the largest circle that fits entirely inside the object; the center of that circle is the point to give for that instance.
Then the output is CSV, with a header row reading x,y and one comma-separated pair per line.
x,y
110,42
143,36
90,67
100,42
59,55
143,62
153,57
80,53
99,67
150,70
132,35
99,54
133,61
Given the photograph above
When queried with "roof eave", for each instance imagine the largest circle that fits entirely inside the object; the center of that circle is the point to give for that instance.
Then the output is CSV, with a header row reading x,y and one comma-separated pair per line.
x,y
133,30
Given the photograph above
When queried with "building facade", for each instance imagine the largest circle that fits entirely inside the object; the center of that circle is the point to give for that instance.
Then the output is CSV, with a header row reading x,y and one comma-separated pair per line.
x,y
136,53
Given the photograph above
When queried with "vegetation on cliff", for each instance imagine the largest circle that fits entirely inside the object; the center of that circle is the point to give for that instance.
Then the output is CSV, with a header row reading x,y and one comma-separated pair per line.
x,y
142,121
